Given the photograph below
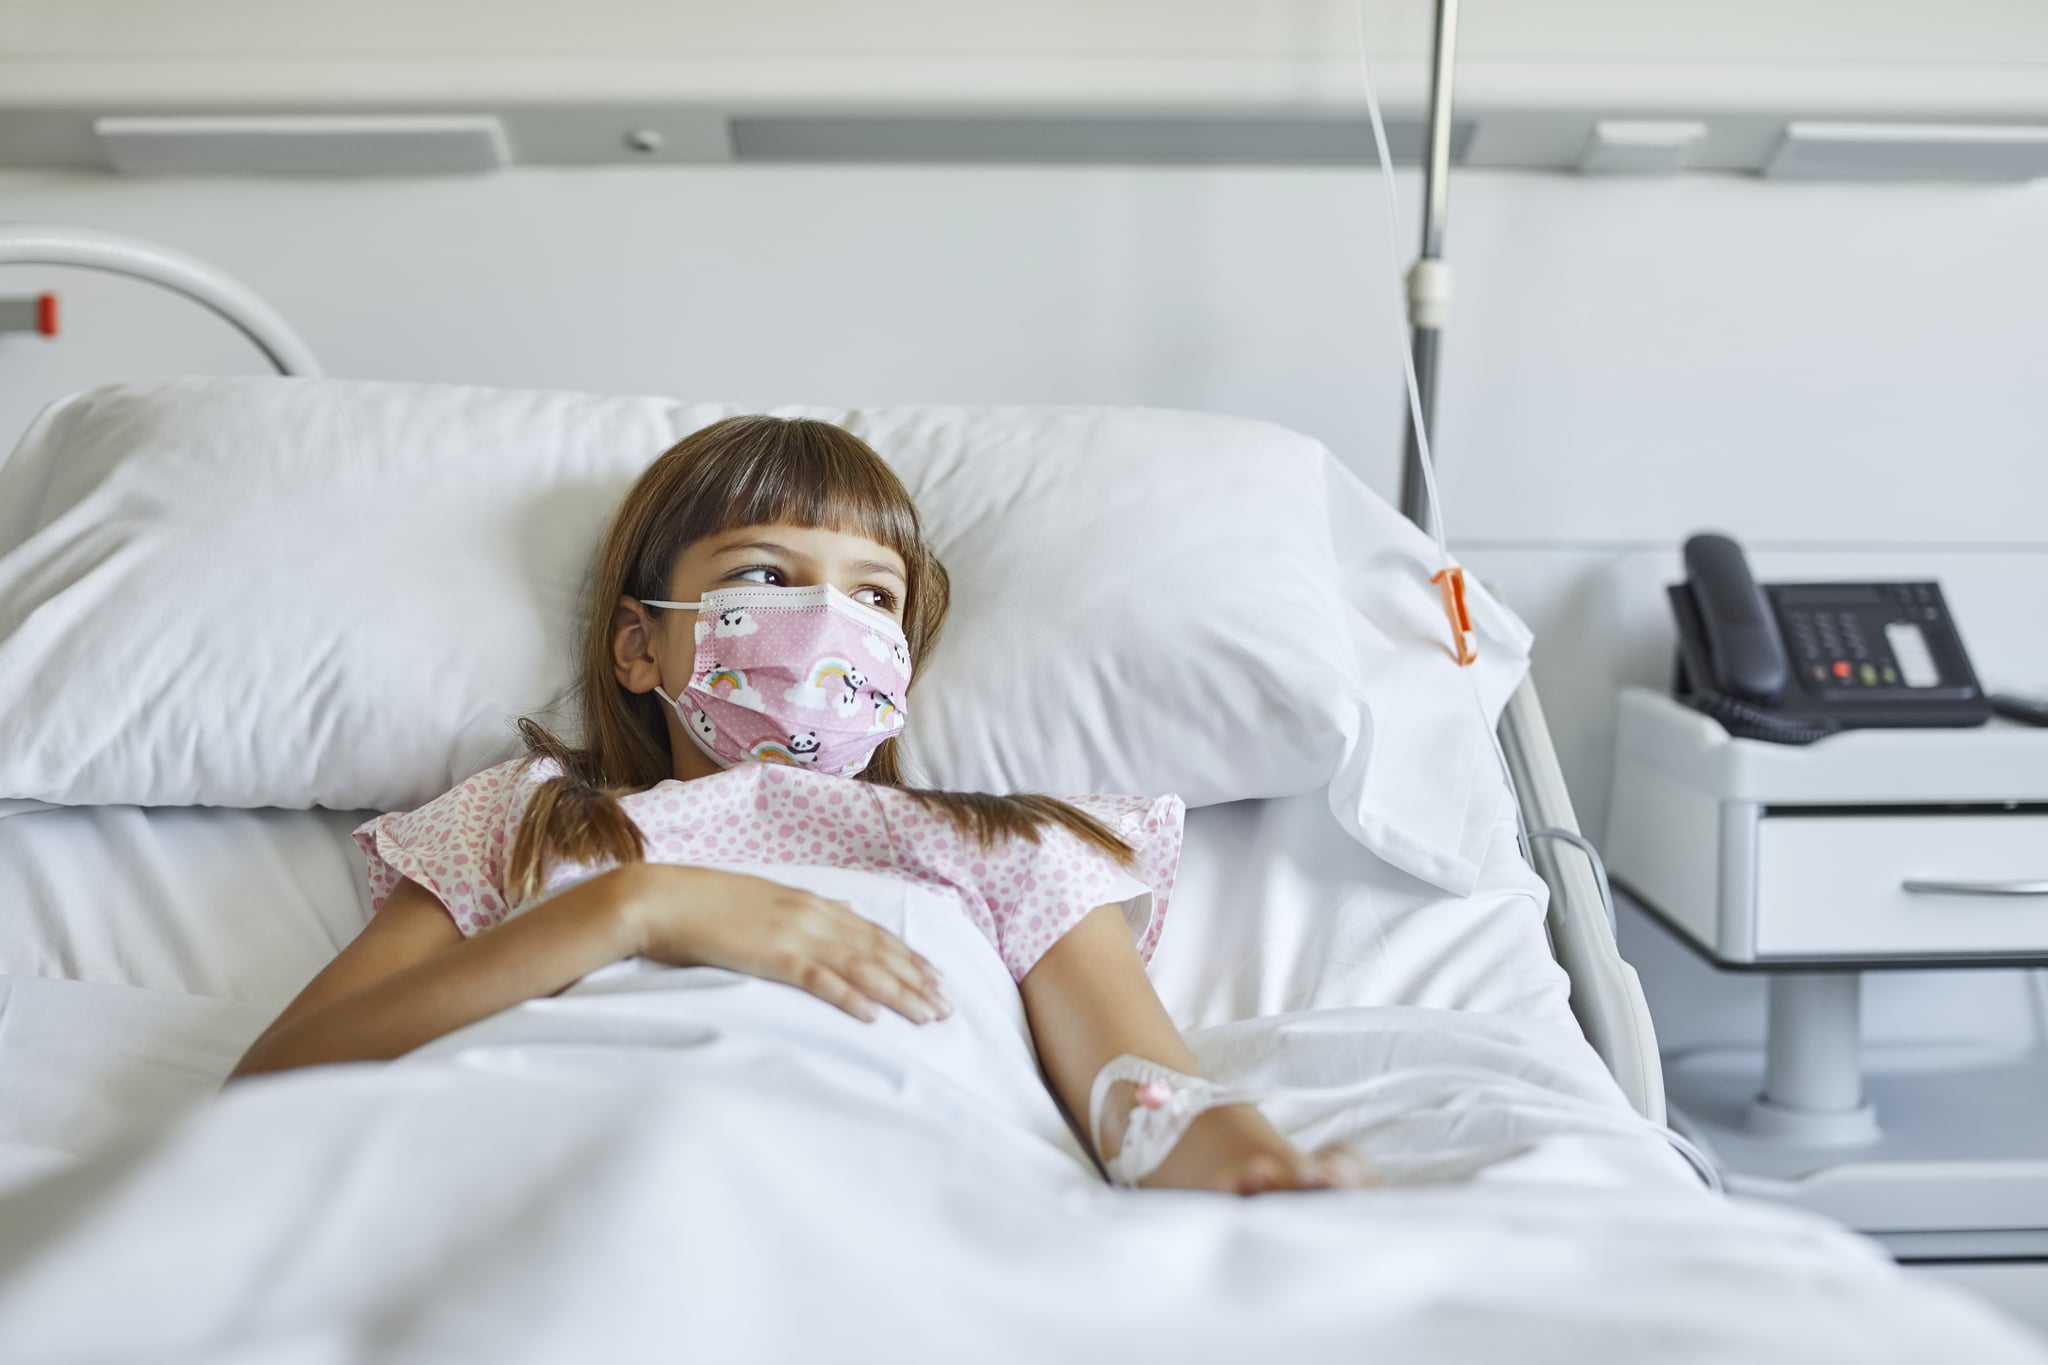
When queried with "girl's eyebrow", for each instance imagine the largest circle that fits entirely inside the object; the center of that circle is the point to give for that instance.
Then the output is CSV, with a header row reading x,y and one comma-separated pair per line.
x,y
772,547
876,566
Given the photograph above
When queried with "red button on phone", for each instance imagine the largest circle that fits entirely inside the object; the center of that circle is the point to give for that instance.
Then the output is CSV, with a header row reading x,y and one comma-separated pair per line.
x,y
1841,668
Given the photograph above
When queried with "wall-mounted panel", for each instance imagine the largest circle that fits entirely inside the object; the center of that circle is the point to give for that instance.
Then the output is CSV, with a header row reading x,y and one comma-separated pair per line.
x,y
1535,77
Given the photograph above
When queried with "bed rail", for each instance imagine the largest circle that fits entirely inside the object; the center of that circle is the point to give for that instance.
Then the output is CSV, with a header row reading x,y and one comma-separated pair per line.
x,y
194,279
1607,998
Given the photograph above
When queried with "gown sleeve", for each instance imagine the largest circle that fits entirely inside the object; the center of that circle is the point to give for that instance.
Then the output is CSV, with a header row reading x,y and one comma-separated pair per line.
x,y
456,846
1025,896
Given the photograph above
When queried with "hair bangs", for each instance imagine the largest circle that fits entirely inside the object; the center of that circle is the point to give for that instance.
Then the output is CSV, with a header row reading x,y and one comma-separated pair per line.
x,y
764,471
808,473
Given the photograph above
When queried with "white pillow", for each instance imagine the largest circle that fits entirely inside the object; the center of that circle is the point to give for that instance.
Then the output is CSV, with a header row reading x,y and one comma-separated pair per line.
x,y
271,592
25,479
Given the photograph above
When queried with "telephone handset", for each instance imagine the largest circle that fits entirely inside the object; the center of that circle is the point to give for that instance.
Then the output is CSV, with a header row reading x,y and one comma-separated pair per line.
x,y
1792,662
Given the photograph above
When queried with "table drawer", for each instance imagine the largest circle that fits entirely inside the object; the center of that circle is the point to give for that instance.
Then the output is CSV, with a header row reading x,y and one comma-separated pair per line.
x,y
1838,885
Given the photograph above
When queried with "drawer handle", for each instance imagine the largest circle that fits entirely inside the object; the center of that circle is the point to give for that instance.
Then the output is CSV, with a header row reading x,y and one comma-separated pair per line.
x,y
2033,888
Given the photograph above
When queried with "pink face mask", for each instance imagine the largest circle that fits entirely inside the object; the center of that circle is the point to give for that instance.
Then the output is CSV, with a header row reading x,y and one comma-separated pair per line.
x,y
792,675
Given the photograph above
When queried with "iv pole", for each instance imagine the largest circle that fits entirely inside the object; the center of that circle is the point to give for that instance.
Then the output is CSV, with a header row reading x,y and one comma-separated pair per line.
x,y
1614,1009
1429,280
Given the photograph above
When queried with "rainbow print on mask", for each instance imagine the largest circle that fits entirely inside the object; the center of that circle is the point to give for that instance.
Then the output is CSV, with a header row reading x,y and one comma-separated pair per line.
x,y
832,681
888,715
775,751
742,692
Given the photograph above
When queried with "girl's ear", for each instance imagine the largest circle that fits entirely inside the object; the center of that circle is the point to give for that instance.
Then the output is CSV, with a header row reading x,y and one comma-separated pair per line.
x,y
633,636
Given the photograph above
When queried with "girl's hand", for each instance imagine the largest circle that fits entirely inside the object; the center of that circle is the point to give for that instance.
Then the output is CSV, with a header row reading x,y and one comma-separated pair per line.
x,y
703,917
1232,1148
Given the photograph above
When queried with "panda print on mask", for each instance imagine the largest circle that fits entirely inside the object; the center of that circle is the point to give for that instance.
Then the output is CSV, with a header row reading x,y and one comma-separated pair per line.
x,y
804,676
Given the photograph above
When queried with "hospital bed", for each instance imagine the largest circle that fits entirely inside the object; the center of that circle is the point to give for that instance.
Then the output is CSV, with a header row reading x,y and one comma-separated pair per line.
x,y
646,1162
1605,996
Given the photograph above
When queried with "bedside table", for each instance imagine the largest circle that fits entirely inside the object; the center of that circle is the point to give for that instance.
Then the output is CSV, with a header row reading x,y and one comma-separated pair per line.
x,y
1869,850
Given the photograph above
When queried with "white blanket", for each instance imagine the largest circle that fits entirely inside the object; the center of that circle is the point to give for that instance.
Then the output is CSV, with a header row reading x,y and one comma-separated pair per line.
x,y
667,1164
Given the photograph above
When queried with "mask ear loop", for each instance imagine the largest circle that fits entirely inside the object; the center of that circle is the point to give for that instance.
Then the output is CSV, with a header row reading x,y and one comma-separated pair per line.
x,y
691,730
675,705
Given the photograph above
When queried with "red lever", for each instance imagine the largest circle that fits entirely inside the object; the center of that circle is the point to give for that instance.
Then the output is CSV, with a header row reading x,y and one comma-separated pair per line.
x,y
46,315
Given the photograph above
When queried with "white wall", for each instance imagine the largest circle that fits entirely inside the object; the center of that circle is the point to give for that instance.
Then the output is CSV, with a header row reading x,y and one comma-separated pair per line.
x,y
1261,292
1854,378
1628,360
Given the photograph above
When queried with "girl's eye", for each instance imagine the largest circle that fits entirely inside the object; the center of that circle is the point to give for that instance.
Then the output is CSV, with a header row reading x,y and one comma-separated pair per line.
x,y
881,599
759,573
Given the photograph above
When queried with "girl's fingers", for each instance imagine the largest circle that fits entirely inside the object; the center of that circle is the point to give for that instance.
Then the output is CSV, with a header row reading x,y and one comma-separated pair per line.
x,y
1339,1167
881,941
916,982
914,972
834,989
915,964
903,973
908,965
1262,1174
877,982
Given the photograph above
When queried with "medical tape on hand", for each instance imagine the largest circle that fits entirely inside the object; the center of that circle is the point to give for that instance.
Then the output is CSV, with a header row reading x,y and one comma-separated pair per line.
x,y
1167,1103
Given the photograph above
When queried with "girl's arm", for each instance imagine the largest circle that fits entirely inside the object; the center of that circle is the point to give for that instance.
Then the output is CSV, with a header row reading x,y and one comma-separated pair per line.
x,y
410,977
1089,1001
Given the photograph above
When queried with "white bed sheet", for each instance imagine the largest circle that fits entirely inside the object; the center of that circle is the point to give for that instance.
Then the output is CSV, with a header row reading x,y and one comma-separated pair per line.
x,y
754,1174
671,1162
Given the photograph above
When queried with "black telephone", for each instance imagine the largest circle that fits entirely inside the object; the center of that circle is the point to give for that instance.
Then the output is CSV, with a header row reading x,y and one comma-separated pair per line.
x,y
1791,662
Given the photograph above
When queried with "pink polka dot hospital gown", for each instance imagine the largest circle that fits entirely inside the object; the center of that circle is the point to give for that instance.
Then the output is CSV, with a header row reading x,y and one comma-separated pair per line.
x,y
1021,896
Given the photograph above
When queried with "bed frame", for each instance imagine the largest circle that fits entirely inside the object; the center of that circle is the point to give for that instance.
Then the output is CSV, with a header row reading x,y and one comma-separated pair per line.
x,y
1607,998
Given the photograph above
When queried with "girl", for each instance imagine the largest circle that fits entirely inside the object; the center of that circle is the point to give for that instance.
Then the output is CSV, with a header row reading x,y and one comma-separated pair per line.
x,y
762,598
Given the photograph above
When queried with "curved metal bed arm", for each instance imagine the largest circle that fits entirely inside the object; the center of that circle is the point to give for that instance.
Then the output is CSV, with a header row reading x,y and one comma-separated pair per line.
x,y
239,305
1607,998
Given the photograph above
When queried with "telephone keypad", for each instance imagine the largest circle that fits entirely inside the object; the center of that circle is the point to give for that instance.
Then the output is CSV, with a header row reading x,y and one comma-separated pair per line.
x,y
1840,647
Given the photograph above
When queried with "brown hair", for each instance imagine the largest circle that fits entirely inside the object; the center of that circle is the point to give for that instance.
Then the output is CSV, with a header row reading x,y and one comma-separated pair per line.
x,y
743,471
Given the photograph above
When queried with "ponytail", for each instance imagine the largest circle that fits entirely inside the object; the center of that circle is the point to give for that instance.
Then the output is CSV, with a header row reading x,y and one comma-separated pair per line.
x,y
567,818
989,820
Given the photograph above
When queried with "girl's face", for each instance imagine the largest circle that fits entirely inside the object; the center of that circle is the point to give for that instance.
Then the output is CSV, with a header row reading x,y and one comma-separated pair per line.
x,y
651,648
